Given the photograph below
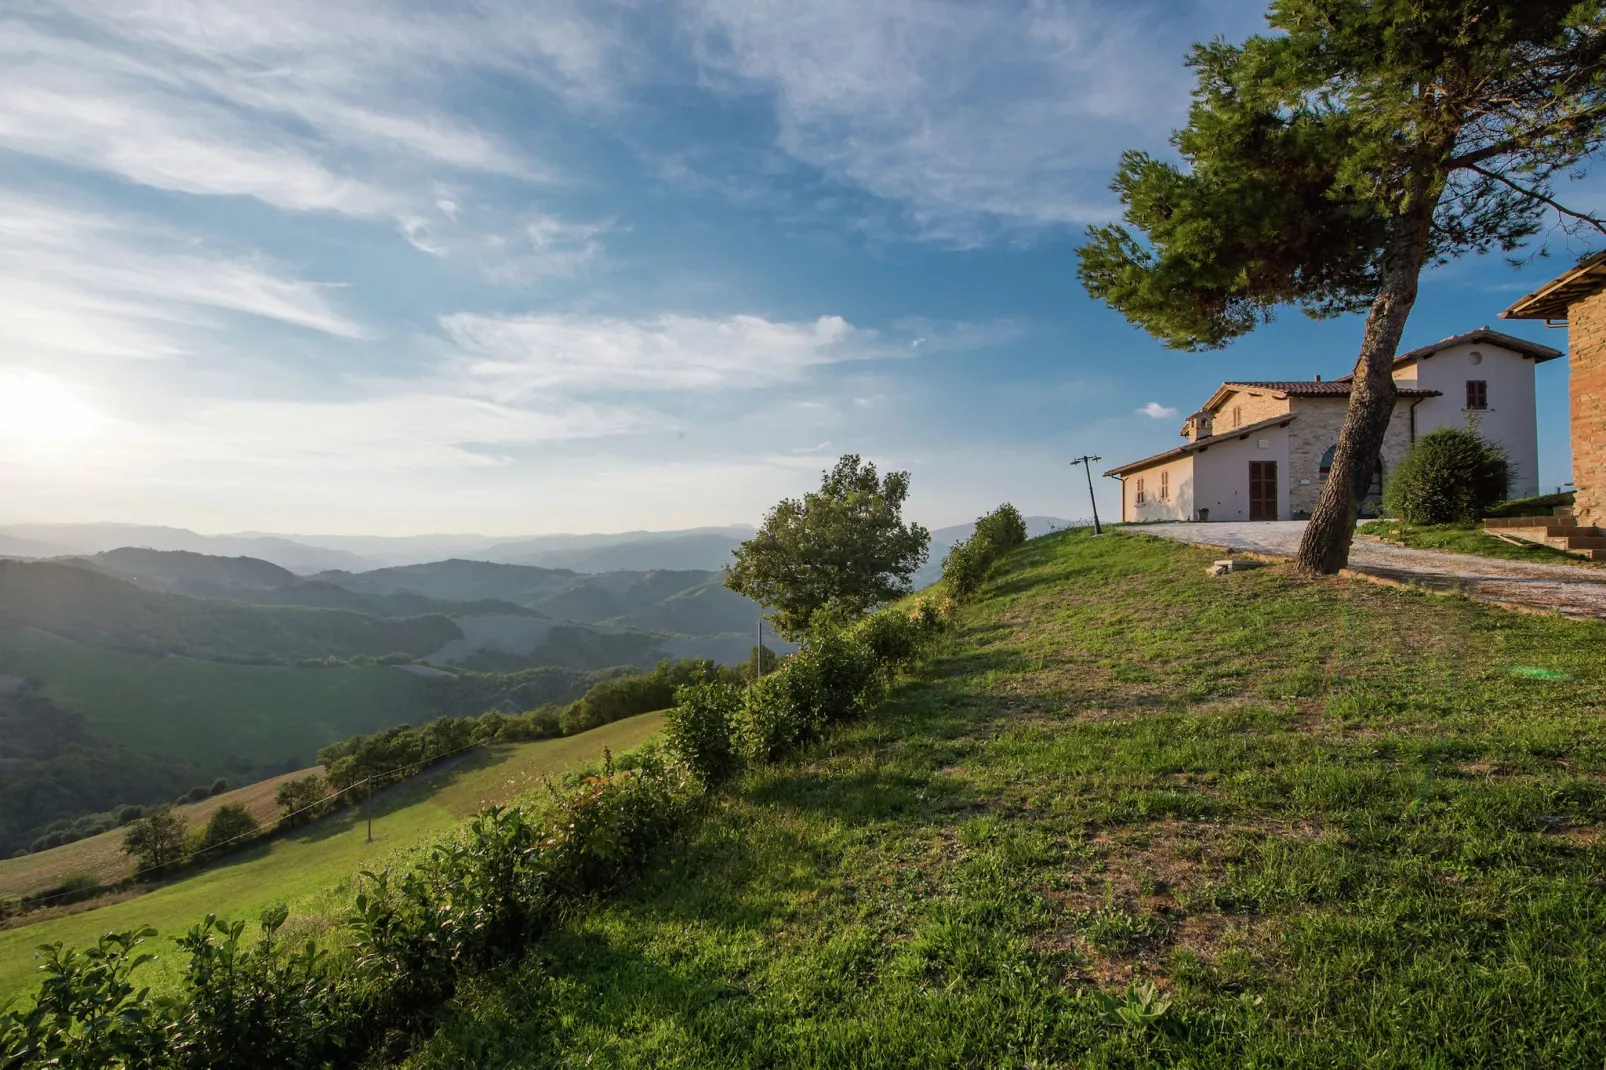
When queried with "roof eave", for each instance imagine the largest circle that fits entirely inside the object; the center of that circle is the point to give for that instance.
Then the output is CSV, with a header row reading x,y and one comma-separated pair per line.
x,y
1552,300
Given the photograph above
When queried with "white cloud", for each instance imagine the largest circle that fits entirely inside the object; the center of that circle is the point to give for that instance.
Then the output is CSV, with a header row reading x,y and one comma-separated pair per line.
x,y
77,281
510,356
974,116
1156,411
302,105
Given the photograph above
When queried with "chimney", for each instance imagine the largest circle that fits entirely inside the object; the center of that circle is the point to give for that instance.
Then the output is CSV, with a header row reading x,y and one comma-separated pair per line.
x,y
1318,378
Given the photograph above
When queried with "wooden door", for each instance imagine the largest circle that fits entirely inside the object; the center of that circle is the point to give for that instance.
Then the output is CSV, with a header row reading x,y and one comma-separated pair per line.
x,y
1262,490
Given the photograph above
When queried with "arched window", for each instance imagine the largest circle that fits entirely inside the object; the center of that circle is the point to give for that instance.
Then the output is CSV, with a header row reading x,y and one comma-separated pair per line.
x,y
1326,468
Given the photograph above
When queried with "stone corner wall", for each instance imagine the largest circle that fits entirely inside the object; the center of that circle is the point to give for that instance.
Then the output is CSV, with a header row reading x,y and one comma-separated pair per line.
x,y
1586,331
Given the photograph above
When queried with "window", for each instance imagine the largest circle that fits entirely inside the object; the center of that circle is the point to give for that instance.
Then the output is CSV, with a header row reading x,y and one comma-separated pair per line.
x,y
1140,492
1326,468
1165,486
1237,416
1477,394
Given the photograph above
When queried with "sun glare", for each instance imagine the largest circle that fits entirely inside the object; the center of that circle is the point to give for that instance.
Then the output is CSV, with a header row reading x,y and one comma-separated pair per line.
x,y
36,410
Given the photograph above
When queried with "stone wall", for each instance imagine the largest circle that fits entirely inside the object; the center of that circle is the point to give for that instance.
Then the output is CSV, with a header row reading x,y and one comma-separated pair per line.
x,y
1586,330
1310,436
1253,407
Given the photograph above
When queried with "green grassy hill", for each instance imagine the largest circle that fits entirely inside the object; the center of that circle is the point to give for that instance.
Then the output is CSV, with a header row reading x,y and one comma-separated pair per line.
x,y
311,872
1335,824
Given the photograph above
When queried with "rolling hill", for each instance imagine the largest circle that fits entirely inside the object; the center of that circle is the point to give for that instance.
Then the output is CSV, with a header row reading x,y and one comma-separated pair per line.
x,y
100,610
310,871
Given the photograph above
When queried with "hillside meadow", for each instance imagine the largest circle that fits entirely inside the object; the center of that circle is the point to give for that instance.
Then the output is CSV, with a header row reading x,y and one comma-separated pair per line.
x,y
313,870
1333,824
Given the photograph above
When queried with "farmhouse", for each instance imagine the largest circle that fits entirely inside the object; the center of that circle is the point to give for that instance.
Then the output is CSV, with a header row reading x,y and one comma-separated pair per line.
x,y
1262,450
1577,300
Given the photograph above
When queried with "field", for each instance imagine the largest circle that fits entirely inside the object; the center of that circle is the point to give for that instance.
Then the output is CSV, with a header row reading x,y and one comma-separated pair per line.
x,y
103,855
1334,824
312,871
211,712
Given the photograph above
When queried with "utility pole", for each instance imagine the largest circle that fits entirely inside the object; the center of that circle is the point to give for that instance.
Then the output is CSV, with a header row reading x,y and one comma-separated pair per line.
x,y
1087,465
758,652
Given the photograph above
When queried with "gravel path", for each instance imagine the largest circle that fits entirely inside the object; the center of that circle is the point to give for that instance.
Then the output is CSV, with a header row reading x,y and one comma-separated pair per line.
x,y
1574,590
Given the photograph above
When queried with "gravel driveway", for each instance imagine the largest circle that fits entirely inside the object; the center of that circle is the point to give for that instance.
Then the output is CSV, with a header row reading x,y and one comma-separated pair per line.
x,y
1574,590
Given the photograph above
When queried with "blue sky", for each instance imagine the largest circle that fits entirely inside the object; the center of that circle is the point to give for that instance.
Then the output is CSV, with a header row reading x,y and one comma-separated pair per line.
x,y
517,268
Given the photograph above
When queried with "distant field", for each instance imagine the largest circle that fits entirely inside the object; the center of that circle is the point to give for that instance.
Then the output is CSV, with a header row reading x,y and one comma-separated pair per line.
x,y
312,872
103,855
210,712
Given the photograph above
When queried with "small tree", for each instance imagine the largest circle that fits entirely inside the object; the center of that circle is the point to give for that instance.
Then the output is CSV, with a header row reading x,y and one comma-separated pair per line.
x,y
302,799
844,547
229,826
1449,476
1329,163
157,841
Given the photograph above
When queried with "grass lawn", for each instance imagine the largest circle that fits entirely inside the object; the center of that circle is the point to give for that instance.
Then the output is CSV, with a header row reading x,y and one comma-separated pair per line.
x,y
312,871
1336,824
1468,539
210,712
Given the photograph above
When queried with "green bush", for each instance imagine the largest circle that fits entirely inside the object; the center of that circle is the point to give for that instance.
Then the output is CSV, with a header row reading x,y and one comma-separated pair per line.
x,y
158,841
302,800
1448,476
969,560
698,730
767,724
227,830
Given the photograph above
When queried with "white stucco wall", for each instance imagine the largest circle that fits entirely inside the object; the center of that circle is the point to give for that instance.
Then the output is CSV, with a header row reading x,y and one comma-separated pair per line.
x,y
1179,506
1510,418
1221,473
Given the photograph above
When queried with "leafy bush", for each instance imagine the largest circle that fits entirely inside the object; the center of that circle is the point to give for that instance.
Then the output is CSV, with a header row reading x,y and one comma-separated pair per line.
x,y
229,826
88,1014
257,1006
698,729
219,786
302,800
969,560
767,725
1448,476
157,841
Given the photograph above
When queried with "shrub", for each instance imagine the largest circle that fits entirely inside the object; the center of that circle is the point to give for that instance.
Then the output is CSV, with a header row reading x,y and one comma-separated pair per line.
x,y
767,724
257,1006
219,786
1449,476
302,800
969,560
229,827
157,840
698,729
129,813
87,1012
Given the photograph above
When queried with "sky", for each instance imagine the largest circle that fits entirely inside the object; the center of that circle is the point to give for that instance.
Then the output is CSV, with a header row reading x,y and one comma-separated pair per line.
x,y
517,268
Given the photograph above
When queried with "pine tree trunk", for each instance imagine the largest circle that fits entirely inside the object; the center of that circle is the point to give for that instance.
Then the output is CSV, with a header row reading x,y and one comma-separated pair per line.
x,y
1324,549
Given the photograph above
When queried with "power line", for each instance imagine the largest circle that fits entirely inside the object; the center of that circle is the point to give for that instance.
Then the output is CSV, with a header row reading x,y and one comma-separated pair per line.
x,y
246,836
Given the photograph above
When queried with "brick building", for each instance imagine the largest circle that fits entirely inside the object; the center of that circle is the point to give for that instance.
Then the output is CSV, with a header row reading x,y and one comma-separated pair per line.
x,y
1577,300
1262,450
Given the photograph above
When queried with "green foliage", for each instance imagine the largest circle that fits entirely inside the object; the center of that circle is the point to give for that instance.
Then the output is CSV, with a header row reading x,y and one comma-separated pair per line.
x,y
1311,151
257,1006
414,934
698,729
969,560
228,829
1543,505
158,841
87,1014
845,548
626,696
303,799
1448,476
219,786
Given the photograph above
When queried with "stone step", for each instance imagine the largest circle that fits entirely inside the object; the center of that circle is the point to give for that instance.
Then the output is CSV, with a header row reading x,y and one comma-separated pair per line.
x,y
1557,521
1586,542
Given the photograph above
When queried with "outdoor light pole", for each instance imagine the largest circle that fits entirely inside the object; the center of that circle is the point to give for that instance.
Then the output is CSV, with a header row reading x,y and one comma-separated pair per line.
x,y
1087,464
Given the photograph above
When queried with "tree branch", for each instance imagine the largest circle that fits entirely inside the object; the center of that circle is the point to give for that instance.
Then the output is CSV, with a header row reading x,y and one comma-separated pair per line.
x,y
1526,139
1540,197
